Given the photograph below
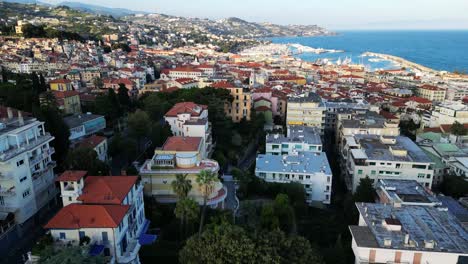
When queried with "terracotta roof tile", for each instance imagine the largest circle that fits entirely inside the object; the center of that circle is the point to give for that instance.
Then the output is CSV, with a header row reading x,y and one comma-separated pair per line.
x,y
182,144
76,216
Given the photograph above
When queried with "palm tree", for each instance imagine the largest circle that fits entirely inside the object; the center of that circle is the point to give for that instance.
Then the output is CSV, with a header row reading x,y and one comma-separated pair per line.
x,y
181,186
186,210
206,180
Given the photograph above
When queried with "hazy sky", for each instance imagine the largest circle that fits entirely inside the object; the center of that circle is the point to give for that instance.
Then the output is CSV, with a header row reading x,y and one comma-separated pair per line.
x,y
334,14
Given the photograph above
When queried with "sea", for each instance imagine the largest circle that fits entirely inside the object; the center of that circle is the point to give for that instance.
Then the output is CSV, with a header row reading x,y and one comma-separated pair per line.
x,y
439,50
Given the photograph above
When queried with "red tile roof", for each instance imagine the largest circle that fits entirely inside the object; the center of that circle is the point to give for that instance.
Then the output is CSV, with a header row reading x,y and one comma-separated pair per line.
x,y
106,189
71,176
60,81
224,85
182,144
92,142
187,107
65,94
76,216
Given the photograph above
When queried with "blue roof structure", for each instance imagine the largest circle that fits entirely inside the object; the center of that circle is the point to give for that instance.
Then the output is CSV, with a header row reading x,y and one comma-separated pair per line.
x,y
96,250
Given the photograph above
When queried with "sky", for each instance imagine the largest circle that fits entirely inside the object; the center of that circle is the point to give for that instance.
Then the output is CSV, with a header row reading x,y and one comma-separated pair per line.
x,y
332,14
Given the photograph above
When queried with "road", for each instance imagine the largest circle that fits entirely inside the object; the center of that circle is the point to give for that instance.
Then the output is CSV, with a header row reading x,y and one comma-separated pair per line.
x,y
231,202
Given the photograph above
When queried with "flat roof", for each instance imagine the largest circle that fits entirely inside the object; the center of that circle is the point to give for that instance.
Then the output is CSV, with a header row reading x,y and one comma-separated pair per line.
x,y
297,134
78,120
303,163
407,191
421,223
376,150
306,98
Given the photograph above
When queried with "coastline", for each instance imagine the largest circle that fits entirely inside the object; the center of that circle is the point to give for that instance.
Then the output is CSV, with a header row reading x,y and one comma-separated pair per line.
x,y
401,61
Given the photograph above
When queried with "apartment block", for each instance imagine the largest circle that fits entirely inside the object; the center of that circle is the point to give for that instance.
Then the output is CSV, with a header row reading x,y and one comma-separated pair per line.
x,y
27,179
306,110
385,157
191,120
298,139
413,234
312,170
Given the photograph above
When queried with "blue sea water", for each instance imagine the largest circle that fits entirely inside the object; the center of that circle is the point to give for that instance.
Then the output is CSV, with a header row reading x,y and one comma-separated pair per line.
x,y
440,50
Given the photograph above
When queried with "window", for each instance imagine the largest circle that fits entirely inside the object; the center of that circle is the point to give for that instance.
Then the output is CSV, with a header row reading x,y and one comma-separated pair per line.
x,y
81,234
69,199
373,172
62,235
26,193
359,171
328,187
421,175
285,146
19,163
275,146
24,178
372,163
428,176
105,237
301,177
298,146
419,166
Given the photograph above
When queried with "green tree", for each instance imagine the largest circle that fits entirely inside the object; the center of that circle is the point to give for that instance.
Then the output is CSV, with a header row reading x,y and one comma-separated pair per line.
x,y
206,180
98,83
85,158
455,186
365,191
181,186
186,211
123,98
56,126
221,244
159,134
458,129
69,255
139,125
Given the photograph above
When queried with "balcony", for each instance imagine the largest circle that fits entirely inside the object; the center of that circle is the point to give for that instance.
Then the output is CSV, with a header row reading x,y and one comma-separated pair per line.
x,y
131,253
5,156
7,192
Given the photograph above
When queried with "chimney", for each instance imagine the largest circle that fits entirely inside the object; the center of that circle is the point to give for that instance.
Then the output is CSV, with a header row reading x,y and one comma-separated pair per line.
x,y
10,113
406,239
20,118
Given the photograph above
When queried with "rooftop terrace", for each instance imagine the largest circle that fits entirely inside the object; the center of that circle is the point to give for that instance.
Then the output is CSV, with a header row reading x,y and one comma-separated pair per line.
x,y
303,163
429,228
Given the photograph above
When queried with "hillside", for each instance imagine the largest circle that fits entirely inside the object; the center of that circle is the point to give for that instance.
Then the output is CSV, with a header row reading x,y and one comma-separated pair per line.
x,y
230,26
100,10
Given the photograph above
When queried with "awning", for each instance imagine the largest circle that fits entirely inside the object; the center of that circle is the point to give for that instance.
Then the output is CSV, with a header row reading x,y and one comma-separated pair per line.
x,y
96,250
147,239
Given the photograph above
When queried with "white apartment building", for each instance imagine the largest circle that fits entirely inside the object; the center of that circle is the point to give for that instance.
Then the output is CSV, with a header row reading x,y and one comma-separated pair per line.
x,y
383,157
27,180
176,73
412,234
307,168
306,110
446,113
298,139
365,123
191,120
108,210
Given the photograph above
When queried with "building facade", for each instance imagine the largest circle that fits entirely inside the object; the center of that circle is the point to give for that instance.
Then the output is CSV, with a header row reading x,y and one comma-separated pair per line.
x,y
27,179
180,155
312,170
306,110
108,210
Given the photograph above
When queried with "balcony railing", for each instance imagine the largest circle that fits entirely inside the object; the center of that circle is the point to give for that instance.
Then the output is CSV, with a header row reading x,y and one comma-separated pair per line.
x,y
7,192
24,147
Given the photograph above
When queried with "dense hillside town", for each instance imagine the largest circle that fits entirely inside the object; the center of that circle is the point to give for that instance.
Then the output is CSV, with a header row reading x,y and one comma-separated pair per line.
x,y
159,139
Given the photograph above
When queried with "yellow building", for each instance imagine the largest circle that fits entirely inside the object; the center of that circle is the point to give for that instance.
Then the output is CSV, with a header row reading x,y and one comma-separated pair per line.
x,y
180,155
61,85
68,101
89,75
432,93
241,105
306,110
